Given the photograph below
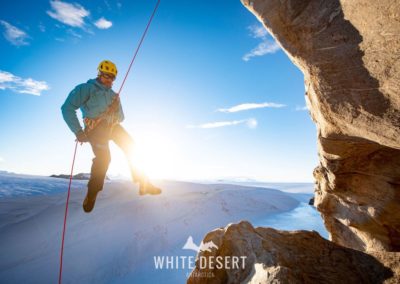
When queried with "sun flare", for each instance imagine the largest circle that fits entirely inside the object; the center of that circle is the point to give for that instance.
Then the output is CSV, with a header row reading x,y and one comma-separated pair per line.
x,y
155,155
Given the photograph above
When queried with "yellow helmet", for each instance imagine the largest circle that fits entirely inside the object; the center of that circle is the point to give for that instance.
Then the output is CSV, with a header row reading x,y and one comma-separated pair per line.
x,y
107,67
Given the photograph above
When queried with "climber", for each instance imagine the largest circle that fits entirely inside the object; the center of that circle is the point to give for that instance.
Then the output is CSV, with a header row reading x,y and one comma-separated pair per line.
x,y
102,114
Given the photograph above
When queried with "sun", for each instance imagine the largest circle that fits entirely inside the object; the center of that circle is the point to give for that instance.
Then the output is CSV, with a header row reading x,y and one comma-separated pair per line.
x,y
155,154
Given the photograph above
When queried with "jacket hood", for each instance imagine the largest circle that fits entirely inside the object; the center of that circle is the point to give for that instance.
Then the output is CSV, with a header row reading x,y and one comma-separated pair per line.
x,y
97,84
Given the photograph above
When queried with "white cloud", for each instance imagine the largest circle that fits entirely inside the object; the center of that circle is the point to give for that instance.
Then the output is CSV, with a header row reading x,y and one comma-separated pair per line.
x,y
248,106
258,31
267,45
73,33
70,14
251,123
20,85
42,28
107,4
1,159
5,77
103,23
303,108
14,35
261,49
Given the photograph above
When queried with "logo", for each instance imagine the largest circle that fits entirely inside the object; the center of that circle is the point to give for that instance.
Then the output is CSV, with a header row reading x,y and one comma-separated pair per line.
x,y
185,262
203,246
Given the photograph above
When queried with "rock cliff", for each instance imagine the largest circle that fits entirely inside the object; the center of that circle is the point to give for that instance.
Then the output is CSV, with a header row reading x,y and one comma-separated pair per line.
x,y
349,52
273,256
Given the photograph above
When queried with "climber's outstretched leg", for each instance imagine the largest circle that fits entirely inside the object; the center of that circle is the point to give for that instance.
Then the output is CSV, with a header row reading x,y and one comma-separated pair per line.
x,y
122,138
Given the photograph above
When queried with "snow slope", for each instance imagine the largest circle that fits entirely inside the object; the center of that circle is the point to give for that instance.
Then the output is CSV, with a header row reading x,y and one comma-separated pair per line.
x,y
117,241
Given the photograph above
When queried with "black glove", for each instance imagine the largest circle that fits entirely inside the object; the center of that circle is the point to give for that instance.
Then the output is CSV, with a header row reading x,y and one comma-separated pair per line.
x,y
81,137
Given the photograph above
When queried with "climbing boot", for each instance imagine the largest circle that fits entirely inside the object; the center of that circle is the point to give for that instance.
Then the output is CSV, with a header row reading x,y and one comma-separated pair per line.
x,y
90,200
148,188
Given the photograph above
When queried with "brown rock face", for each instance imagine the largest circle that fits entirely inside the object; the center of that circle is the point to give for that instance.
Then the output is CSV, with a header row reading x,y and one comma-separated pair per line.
x,y
272,256
349,52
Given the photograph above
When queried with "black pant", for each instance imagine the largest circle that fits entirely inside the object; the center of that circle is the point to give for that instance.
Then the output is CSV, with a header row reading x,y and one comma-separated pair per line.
x,y
99,139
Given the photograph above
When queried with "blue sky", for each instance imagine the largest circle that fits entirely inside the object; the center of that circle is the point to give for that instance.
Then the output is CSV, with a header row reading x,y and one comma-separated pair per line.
x,y
210,95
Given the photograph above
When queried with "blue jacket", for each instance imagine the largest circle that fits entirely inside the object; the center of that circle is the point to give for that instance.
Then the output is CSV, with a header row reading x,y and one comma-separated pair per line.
x,y
93,98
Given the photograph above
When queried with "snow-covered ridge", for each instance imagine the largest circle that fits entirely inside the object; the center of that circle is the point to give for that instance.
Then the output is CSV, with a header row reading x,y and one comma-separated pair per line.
x,y
12,185
117,241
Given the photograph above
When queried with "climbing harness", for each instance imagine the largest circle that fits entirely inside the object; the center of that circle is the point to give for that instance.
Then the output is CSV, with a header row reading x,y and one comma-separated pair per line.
x,y
93,124
108,114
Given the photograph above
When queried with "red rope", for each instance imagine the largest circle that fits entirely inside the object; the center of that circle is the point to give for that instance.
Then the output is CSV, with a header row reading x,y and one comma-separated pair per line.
x,y
73,161
137,49
65,215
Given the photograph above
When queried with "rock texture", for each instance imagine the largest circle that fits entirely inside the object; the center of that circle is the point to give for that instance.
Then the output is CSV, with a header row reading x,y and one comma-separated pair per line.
x,y
274,256
349,52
